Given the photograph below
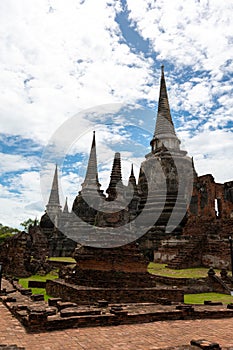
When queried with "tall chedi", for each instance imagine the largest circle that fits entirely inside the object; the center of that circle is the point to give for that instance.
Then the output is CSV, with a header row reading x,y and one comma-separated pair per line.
x,y
165,178
115,188
114,211
86,203
53,208
51,223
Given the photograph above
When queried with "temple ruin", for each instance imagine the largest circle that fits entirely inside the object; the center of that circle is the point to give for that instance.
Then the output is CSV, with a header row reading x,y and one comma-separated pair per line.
x,y
208,219
167,177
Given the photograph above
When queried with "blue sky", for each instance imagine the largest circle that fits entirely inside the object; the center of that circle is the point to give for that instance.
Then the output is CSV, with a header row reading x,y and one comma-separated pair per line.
x,y
60,58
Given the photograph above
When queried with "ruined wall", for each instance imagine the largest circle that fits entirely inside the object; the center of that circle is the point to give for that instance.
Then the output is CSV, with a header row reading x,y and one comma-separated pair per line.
x,y
212,249
25,253
82,295
15,254
210,214
210,199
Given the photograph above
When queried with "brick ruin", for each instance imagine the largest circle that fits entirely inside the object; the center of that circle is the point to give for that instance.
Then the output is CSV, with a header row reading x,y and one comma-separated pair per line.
x,y
205,236
25,253
200,236
110,284
70,309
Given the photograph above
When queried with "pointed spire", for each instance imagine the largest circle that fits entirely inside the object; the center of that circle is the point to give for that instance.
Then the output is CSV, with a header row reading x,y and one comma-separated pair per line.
x,y
164,114
116,178
54,194
132,180
53,205
164,134
66,209
132,172
91,178
194,170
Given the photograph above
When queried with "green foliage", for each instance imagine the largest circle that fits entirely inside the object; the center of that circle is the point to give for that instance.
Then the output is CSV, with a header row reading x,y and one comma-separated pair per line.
x,y
29,222
24,284
62,259
162,270
200,298
6,232
50,276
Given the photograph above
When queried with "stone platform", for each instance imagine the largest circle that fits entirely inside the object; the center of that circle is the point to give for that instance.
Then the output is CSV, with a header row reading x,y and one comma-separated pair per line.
x,y
39,316
86,294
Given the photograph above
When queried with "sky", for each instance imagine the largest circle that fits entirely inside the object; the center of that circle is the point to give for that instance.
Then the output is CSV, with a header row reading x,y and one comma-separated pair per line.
x,y
95,65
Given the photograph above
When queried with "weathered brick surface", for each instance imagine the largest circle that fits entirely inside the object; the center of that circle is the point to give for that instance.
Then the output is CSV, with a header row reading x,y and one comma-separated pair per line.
x,y
84,295
157,335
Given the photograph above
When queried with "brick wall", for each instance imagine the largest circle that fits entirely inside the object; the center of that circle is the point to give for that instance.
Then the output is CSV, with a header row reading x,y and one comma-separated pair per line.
x,y
82,295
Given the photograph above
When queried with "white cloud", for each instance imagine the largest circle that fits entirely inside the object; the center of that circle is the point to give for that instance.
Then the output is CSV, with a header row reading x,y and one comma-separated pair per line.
x,y
191,33
57,59
16,162
212,152
56,63
21,199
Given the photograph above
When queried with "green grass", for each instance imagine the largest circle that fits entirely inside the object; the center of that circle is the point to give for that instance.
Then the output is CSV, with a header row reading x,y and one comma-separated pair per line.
x,y
65,259
199,298
50,276
162,270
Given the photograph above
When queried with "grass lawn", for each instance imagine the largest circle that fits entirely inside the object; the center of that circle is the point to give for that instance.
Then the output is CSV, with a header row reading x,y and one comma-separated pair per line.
x,y
162,270
199,298
62,258
50,276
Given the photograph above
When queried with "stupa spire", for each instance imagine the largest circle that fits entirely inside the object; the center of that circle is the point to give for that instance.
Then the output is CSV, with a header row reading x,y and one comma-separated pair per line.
x,y
164,113
164,134
132,180
116,178
53,205
132,172
66,209
91,178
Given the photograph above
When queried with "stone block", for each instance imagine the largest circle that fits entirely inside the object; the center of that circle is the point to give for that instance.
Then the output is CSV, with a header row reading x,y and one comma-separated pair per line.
x,y
185,308
205,344
25,291
102,303
65,304
37,309
11,300
118,310
7,299
35,317
10,347
50,311
69,312
37,297
163,301
36,284
212,303
53,301
22,313
20,307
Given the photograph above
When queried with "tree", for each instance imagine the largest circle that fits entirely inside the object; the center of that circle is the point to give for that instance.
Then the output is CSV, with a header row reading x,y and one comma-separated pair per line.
x,y
29,222
6,232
